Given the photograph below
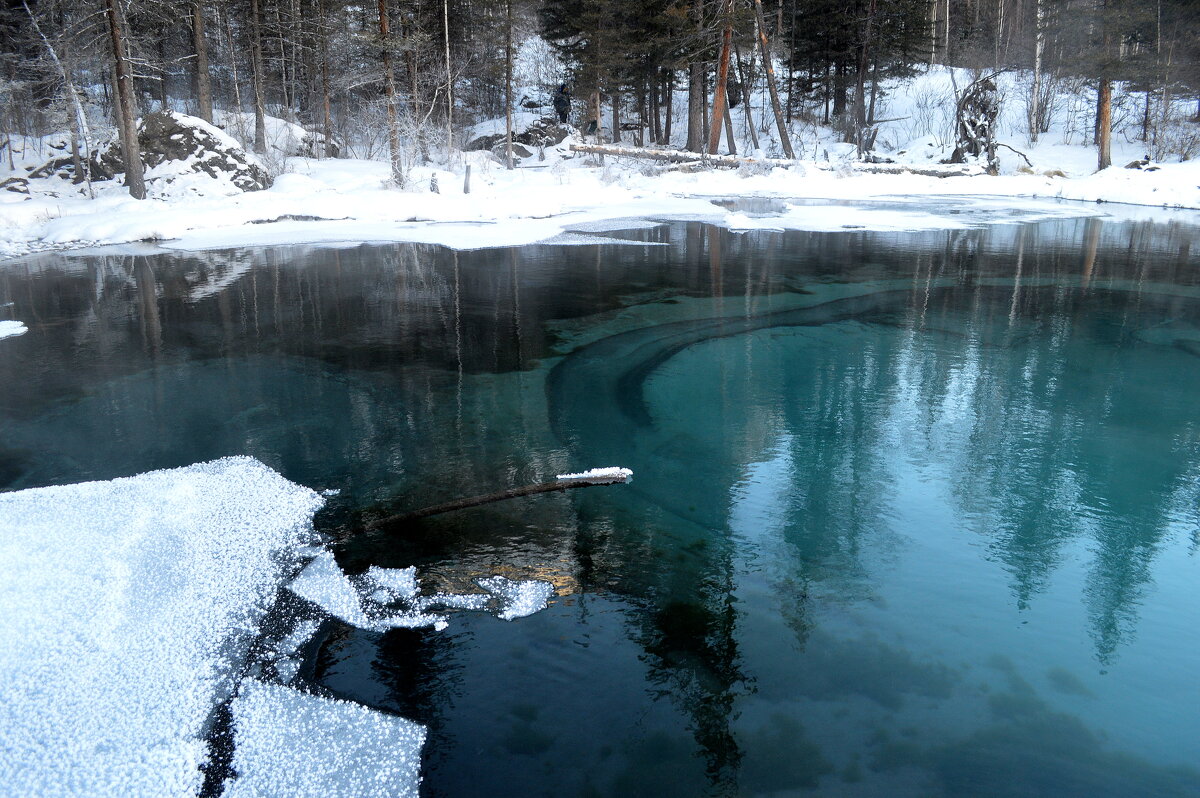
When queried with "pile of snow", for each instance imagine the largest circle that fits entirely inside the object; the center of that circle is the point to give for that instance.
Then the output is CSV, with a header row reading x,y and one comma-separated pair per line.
x,y
11,328
304,746
128,606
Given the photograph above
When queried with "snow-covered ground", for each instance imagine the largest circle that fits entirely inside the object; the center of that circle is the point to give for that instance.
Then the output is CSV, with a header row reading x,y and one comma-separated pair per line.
x,y
346,200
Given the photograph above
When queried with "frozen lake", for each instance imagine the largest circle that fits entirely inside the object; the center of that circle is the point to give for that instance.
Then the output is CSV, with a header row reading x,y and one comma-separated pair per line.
x,y
912,513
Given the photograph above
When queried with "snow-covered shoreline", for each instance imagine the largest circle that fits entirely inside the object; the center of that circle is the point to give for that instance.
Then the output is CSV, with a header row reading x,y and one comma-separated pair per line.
x,y
330,201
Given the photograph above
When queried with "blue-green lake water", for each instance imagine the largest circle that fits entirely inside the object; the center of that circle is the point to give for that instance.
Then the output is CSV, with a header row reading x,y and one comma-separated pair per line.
x,y
912,514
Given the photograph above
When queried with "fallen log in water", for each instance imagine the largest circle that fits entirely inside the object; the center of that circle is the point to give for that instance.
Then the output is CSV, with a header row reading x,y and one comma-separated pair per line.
x,y
587,479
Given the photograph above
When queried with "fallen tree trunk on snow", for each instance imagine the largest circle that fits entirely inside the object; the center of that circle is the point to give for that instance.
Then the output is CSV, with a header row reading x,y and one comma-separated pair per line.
x,y
587,479
684,159
678,156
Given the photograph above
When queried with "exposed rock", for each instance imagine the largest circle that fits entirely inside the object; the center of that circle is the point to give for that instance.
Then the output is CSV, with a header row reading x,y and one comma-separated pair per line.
x,y
184,143
196,144
518,151
18,185
544,132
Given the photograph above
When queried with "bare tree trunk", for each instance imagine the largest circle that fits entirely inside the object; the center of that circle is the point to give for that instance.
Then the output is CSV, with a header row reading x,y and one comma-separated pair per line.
x,y
670,86
203,82
1039,50
126,109
326,111
449,83
508,100
1104,124
765,49
718,107
743,79
696,104
729,137
616,117
389,91
79,123
256,65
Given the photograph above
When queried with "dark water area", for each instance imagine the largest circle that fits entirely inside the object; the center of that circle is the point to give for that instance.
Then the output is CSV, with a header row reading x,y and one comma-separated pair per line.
x,y
912,514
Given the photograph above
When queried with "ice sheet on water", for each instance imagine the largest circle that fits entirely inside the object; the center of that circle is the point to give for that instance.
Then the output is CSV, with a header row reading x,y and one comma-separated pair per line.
x,y
127,607
323,583
298,745
388,598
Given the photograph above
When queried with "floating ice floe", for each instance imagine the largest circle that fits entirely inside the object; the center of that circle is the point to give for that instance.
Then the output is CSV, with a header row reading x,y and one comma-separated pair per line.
x,y
388,598
128,606
11,328
302,746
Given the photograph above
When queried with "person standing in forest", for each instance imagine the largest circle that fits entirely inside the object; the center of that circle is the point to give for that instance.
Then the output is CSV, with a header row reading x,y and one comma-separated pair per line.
x,y
562,103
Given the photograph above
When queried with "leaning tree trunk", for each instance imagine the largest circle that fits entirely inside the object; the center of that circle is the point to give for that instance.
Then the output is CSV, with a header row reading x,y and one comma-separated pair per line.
x,y
203,81
718,108
126,112
765,48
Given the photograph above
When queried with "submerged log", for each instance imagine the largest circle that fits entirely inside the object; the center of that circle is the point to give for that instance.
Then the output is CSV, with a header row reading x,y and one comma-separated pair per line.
x,y
587,479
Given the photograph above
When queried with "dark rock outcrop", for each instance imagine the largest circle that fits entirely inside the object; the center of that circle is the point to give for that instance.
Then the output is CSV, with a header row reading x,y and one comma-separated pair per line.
x,y
544,132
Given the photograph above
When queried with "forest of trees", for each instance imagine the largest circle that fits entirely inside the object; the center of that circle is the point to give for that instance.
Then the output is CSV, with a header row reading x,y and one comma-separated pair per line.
x,y
404,77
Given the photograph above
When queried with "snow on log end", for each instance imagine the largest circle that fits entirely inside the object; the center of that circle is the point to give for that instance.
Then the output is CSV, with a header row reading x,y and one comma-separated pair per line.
x,y
603,476
10,328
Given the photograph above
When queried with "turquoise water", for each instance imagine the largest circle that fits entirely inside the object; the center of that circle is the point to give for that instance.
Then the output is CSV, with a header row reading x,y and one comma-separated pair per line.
x,y
912,514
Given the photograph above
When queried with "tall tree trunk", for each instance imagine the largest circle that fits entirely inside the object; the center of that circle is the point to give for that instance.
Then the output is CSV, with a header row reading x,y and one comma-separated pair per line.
x,y
765,49
326,110
743,79
718,108
449,83
126,108
508,92
669,83
616,117
256,66
1039,50
696,103
203,83
389,92
1104,124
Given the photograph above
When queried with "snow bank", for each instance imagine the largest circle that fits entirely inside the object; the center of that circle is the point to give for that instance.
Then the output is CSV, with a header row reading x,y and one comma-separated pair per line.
x,y
302,746
127,607
11,328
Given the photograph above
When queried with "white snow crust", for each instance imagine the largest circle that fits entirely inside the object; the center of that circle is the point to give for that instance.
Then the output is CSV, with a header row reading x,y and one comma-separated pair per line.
x,y
615,473
388,598
127,606
518,599
303,746
11,328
